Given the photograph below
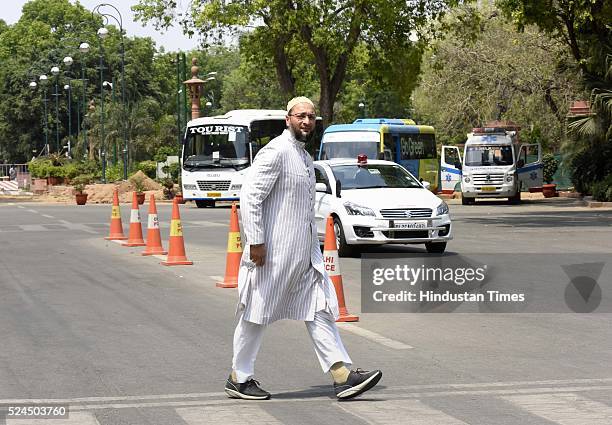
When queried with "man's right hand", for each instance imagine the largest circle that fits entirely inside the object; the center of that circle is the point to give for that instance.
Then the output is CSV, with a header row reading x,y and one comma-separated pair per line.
x,y
258,254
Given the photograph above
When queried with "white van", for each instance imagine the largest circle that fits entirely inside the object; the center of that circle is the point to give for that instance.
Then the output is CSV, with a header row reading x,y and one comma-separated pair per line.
x,y
494,165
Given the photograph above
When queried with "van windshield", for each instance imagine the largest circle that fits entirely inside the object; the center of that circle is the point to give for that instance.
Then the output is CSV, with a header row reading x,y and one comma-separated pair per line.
x,y
488,155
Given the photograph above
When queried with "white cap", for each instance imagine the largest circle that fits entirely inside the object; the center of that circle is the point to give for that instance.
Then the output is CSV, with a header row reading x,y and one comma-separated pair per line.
x,y
296,100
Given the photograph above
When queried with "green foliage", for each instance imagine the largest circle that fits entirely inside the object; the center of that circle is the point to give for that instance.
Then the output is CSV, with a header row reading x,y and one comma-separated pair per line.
x,y
602,190
551,164
147,167
301,37
43,168
477,74
81,181
164,152
73,169
114,172
589,165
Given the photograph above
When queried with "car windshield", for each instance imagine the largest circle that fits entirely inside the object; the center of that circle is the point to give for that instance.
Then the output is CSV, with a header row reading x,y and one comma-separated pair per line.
x,y
374,175
488,155
216,146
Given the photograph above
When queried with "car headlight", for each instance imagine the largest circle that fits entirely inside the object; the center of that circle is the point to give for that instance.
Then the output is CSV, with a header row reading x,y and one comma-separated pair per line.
x,y
190,186
354,209
466,179
509,178
236,186
442,208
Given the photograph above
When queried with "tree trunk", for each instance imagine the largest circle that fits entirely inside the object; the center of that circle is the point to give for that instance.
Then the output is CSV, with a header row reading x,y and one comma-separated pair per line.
x,y
283,72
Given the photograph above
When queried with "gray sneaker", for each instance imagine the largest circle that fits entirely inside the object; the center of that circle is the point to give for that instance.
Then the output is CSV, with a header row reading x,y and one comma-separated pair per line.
x,y
358,382
249,390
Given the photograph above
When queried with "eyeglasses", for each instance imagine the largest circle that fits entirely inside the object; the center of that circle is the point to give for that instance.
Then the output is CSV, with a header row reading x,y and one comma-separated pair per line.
x,y
303,116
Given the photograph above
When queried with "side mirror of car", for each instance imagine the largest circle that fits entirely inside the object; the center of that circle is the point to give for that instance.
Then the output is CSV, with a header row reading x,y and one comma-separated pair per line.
x,y
520,163
321,187
338,188
425,184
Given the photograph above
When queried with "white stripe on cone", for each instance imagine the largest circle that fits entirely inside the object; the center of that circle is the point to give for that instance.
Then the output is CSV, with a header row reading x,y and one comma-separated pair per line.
x,y
331,262
153,222
135,216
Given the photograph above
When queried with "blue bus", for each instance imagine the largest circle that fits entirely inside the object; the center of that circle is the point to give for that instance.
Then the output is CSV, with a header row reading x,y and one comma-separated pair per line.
x,y
400,140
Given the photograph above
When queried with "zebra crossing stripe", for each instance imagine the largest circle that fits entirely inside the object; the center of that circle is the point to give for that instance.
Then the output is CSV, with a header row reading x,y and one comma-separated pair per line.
x,y
227,415
391,412
74,418
564,409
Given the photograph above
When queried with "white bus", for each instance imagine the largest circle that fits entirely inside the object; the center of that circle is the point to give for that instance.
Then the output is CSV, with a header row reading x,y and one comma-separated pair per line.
x,y
218,150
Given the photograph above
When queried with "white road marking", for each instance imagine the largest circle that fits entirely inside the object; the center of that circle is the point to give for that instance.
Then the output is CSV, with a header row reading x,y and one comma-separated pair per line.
x,y
389,413
216,278
206,223
74,418
373,336
564,409
228,415
552,386
48,216
20,206
33,211
33,228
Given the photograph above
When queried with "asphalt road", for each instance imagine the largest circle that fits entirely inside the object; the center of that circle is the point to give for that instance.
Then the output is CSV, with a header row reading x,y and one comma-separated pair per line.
x,y
124,340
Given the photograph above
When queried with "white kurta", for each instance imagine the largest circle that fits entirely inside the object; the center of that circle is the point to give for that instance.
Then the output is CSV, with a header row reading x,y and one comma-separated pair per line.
x,y
277,209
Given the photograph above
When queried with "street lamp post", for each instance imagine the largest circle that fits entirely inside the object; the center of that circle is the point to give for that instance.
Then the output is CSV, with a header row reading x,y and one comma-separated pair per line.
x,y
43,81
102,33
84,48
118,18
68,87
55,71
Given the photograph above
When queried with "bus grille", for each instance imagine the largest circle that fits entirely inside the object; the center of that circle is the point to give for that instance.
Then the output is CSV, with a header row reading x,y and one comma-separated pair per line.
x,y
214,184
487,179
403,213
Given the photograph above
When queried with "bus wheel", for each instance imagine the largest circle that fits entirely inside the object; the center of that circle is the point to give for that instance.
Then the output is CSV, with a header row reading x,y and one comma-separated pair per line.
x,y
435,247
205,203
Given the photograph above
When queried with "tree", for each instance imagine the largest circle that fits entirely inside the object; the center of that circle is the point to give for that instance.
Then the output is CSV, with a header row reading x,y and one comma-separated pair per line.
x,y
488,70
325,33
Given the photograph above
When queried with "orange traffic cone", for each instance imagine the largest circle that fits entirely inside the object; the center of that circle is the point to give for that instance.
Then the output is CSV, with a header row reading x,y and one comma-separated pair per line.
x,y
234,252
176,250
332,266
116,227
135,236
154,244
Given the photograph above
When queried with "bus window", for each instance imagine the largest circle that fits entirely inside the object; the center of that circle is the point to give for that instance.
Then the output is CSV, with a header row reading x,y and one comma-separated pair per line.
x,y
429,146
390,148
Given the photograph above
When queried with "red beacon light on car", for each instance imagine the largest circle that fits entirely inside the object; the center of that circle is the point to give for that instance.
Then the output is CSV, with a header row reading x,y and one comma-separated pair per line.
x,y
362,159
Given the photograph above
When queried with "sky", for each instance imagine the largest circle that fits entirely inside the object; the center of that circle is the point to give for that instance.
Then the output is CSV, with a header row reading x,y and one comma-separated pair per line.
x,y
172,40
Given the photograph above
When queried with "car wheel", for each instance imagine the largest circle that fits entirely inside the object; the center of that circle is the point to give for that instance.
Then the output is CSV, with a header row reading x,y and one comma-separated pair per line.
x,y
203,203
435,247
467,201
344,250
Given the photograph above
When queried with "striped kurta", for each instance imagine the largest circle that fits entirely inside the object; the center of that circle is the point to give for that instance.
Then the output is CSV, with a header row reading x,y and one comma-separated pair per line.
x,y
277,209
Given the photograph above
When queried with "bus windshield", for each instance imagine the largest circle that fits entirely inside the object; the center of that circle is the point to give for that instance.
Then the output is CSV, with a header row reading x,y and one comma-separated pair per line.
x,y
216,146
488,155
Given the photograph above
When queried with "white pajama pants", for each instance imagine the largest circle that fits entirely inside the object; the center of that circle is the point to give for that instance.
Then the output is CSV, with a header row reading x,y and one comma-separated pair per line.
x,y
323,332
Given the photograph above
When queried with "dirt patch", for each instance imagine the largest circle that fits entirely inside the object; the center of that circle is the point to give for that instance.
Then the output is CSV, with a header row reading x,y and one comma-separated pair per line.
x,y
103,193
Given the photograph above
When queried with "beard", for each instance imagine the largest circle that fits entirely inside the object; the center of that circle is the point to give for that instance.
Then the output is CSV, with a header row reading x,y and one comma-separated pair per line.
x,y
299,135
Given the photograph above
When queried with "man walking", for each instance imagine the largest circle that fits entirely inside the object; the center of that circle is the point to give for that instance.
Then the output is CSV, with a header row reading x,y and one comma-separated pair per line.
x,y
281,273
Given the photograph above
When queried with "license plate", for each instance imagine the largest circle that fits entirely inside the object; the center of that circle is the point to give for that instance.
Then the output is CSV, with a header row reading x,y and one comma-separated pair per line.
x,y
213,194
488,189
411,225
